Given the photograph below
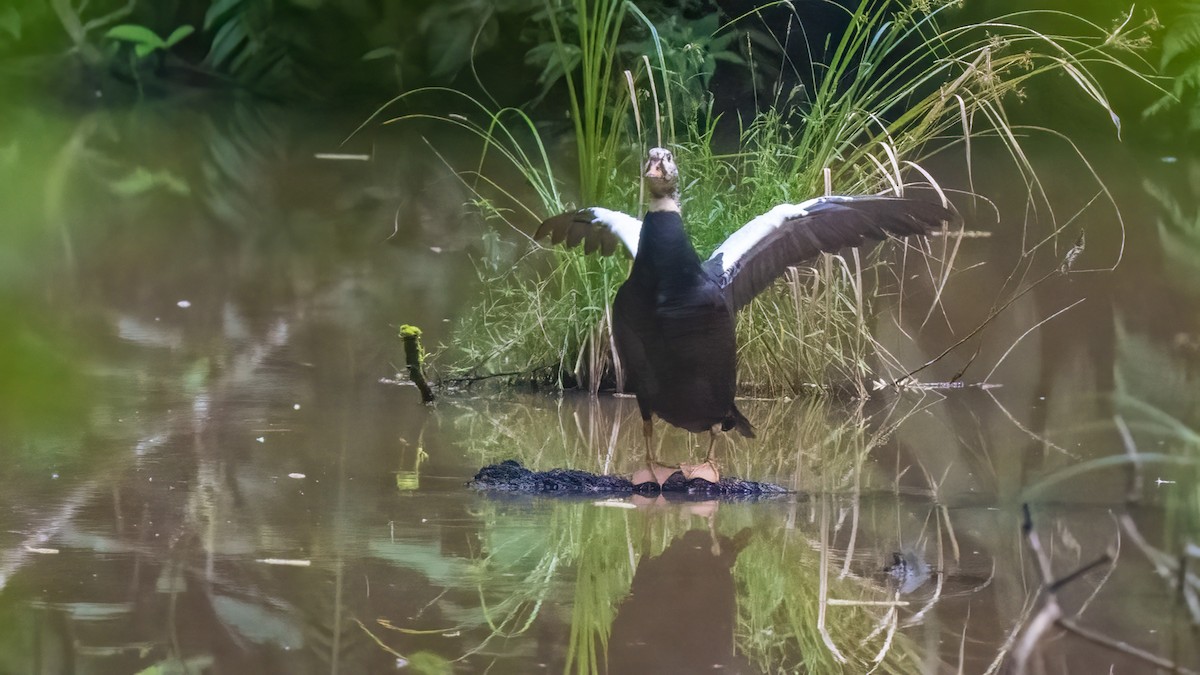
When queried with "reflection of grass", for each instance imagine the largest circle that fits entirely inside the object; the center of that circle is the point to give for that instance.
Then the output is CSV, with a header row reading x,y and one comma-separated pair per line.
x,y
815,444
1156,398
806,443
535,554
592,542
524,562
1179,222
778,614
603,574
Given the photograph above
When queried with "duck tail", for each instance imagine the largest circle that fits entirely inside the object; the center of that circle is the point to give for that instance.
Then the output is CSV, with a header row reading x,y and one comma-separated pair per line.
x,y
738,421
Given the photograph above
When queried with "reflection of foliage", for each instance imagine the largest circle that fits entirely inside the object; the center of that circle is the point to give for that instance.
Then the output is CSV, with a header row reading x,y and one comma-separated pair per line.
x,y
17,632
1179,222
599,550
39,384
800,438
45,383
521,567
530,433
1157,371
778,615
602,577
257,623
806,444
1180,60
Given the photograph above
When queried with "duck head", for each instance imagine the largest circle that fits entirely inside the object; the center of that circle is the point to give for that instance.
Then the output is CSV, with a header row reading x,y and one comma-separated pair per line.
x,y
662,177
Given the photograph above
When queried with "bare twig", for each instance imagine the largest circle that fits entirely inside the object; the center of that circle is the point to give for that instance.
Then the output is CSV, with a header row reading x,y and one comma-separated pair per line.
x,y
471,379
1026,333
991,316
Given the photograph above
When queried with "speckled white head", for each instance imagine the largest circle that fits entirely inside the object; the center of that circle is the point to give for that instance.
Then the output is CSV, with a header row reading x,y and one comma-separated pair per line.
x,y
662,180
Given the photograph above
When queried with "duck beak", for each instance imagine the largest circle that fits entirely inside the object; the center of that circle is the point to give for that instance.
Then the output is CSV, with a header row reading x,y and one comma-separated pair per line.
x,y
654,169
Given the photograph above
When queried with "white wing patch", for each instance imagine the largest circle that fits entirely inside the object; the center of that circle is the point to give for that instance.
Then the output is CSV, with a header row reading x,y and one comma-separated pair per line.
x,y
627,228
739,243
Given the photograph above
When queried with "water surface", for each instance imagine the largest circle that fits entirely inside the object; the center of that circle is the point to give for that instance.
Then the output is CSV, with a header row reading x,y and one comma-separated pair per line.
x,y
210,464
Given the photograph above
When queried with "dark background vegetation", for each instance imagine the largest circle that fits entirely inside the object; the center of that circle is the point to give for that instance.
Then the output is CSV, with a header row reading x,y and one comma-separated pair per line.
x,y
359,53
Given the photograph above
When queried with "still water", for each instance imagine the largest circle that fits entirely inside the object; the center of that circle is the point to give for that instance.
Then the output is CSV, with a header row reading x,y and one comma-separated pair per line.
x,y
210,464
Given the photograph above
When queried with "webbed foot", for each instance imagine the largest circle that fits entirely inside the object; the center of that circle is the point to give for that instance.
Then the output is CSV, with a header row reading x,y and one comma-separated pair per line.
x,y
706,470
653,472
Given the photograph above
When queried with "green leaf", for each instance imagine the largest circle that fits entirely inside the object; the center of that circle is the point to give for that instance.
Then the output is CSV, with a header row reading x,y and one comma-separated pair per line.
x,y
143,50
217,11
229,40
130,32
178,34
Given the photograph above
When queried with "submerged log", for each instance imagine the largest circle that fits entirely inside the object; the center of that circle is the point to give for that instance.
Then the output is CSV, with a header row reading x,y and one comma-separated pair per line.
x,y
510,476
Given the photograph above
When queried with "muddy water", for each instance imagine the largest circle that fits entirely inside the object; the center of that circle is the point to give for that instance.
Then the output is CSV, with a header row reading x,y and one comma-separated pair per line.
x,y
210,466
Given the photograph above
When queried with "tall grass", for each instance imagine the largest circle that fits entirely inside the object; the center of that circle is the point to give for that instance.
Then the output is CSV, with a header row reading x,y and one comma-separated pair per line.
x,y
898,88
597,113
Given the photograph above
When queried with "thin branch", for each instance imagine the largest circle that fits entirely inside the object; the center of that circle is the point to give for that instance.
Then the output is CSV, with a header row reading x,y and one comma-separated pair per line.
x,y
995,313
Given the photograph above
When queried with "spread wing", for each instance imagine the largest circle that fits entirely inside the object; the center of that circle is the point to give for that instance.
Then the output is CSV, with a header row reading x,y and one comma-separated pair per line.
x,y
787,235
599,230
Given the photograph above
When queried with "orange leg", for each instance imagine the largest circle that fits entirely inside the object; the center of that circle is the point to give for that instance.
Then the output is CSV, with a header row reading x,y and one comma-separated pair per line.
x,y
654,471
708,468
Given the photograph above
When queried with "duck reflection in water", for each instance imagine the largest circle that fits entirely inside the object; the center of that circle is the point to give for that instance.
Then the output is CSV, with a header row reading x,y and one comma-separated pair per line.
x,y
680,614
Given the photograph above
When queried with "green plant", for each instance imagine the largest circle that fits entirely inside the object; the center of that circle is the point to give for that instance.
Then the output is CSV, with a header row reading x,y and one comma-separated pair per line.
x,y
1180,60
259,46
145,41
596,111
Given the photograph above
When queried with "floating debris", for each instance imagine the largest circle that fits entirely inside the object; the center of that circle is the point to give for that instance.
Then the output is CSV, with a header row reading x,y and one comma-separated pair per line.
x,y
289,562
41,551
343,156
615,503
